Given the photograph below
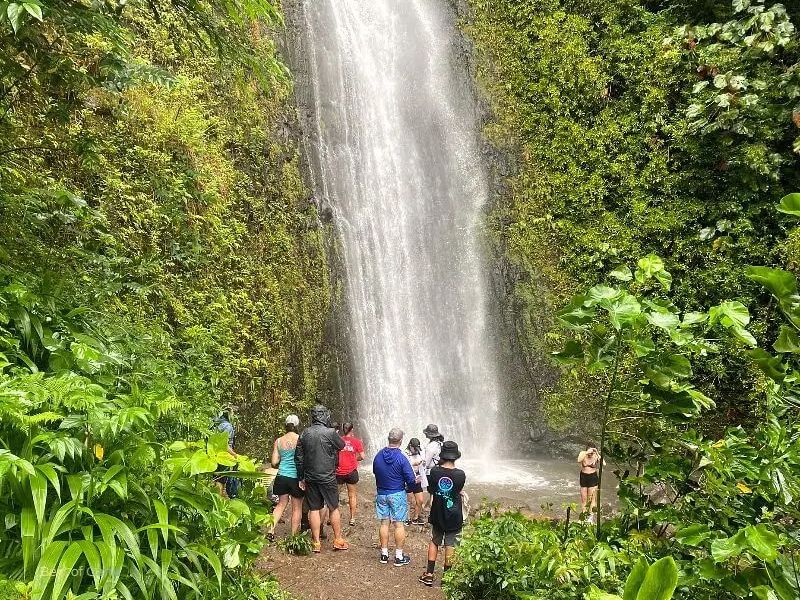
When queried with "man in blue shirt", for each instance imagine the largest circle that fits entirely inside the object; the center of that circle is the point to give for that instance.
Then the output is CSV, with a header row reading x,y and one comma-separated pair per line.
x,y
227,486
392,473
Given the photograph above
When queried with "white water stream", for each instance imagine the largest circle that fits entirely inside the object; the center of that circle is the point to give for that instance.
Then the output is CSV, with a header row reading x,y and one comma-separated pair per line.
x,y
395,154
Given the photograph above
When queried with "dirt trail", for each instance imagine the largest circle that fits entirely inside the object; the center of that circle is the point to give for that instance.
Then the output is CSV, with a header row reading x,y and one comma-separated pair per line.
x,y
357,572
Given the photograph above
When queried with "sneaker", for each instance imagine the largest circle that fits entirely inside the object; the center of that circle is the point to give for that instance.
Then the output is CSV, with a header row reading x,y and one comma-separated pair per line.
x,y
402,562
418,522
384,558
427,579
407,523
316,547
341,544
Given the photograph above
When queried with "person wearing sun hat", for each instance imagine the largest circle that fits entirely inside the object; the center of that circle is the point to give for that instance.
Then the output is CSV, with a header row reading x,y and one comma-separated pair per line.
x,y
445,484
434,446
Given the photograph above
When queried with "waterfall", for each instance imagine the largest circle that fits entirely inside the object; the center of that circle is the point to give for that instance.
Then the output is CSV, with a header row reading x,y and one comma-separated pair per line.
x,y
394,153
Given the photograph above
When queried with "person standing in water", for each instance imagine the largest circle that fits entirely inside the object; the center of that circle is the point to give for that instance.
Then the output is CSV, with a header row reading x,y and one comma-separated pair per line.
x,y
316,456
287,484
416,497
446,485
589,461
347,471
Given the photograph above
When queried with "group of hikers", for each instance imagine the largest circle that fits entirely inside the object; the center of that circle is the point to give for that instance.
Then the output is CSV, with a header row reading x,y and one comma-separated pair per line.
x,y
314,463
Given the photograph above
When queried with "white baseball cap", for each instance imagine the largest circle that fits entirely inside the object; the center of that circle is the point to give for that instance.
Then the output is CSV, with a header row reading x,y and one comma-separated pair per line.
x,y
293,420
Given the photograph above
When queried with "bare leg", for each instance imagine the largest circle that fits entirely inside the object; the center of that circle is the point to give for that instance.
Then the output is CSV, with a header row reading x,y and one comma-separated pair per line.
x,y
352,500
584,499
419,499
593,502
315,523
399,534
277,512
383,533
433,551
336,522
297,514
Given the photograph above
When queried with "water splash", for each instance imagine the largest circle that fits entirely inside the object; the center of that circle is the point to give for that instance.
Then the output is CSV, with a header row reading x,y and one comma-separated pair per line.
x,y
395,154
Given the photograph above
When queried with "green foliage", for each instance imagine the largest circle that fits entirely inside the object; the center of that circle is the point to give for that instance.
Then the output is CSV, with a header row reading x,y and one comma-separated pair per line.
x,y
94,498
298,544
636,127
146,175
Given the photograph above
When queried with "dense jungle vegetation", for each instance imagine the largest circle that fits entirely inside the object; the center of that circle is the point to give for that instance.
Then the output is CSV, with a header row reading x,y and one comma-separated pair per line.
x,y
654,172
159,259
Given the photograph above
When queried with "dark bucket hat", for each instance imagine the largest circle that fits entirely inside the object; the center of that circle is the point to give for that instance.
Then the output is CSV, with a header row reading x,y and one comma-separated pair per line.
x,y
449,451
431,431
414,443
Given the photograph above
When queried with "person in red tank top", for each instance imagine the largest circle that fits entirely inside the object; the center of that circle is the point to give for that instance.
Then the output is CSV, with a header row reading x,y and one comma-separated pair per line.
x,y
347,471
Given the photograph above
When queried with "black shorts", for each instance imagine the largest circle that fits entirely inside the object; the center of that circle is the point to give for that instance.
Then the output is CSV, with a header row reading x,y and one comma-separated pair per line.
x,y
322,494
589,480
351,478
287,485
414,489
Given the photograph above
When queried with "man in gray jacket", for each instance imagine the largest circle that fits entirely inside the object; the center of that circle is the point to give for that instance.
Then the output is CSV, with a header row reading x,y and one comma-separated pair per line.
x,y
316,456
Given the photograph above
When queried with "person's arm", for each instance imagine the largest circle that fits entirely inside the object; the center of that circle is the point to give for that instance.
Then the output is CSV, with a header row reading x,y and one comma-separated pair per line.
x,y
408,473
360,451
431,487
298,459
337,441
276,457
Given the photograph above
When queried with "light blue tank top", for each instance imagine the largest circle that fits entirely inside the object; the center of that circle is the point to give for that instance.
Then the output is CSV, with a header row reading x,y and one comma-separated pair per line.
x,y
287,468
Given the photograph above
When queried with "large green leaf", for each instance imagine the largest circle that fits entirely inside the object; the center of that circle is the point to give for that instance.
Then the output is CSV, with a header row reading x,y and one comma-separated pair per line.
x,y
660,581
668,369
201,463
790,205
664,320
762,541
622,310
38,483
45,569
64,571
634,581
572,352
653,266
772,366
724,548
693,535
729,314
782,284
788,340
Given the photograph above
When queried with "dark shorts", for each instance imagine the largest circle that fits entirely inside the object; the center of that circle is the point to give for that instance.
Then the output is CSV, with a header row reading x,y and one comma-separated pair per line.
x,y
351,478
414,489
589,480
287,485
322,494
445,538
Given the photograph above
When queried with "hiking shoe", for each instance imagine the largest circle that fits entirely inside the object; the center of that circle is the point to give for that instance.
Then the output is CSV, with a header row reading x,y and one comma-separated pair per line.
x,y
316,547
341,544
427,579
352,522
418,522
407,523
384,558
402,562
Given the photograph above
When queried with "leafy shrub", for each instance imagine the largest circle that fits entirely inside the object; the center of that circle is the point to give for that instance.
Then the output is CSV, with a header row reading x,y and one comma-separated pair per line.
x,y
298,544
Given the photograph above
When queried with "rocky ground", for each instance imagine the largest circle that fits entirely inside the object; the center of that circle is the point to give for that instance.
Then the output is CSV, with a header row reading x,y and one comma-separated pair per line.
x,y
355,573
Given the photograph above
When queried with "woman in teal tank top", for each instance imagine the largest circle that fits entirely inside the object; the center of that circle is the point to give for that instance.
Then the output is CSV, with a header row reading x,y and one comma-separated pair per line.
x,y
286,485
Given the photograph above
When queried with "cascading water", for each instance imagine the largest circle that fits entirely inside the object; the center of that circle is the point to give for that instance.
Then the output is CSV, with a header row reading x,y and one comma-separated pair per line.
x,y
395,154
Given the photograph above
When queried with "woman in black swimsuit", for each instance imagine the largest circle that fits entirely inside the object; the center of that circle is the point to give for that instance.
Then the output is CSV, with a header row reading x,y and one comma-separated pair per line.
x,y
589,461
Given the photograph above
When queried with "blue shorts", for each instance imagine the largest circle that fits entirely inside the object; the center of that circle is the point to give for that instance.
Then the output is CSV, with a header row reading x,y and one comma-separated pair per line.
x,y
392,506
